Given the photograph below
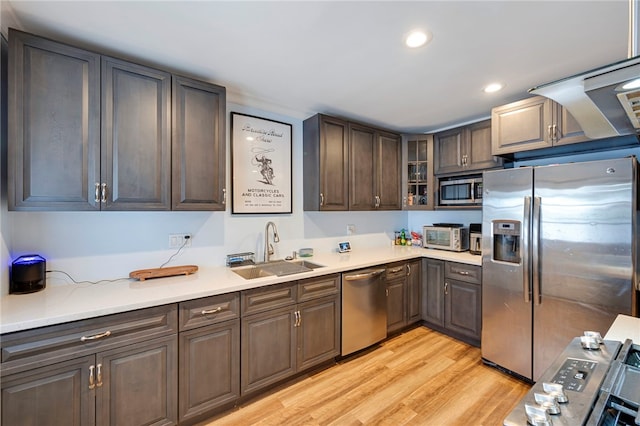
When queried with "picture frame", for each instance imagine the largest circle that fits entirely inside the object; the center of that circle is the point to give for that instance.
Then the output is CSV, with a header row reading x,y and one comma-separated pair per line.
x,y
261,161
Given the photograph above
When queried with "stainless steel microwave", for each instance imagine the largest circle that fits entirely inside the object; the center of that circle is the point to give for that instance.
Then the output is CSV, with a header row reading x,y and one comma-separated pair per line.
x,y
461,192
452,237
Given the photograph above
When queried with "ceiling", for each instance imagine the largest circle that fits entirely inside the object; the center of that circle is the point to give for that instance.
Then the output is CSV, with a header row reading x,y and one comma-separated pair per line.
x,y
347,58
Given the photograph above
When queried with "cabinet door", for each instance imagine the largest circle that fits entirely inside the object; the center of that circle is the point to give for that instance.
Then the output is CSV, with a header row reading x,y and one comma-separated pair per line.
x,y
362,168
447,151
54,125
268,348
463,313
433,292
414,292
139,384
136,144
318,331
567,130
419,173
198,145
521,126
478,148
388,171
56,395
209,372
396,304
325,162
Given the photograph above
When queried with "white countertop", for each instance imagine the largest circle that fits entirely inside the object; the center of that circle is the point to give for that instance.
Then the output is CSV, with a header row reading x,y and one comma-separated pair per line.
x,y
64,303
624,327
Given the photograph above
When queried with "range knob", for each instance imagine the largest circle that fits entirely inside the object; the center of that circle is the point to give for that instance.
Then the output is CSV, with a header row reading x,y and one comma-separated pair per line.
x,y
537,416
548,402
555,390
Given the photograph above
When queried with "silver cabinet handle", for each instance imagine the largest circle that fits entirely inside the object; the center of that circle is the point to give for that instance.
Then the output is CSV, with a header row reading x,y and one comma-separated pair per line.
x,y
99,375
321,199
91,377
298,319
408,269
97,195
376,201
446,288
95,336
103,193
211,311
463,272
224,195
394,270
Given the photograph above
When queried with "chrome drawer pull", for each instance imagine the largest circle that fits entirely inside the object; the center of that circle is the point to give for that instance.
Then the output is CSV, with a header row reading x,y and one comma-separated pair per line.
x,y
212,311
97,198
95,336
463,272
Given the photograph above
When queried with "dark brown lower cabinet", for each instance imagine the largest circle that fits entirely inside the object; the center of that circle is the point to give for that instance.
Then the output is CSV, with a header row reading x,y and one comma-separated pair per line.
x,y
452,299
403,294
209,370
118,369
139,384
132,385
55,395
280,342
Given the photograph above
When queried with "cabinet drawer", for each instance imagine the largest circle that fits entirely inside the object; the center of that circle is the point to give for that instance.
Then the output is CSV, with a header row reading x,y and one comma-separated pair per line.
x,y
46,345
265,298
314,288
396,270
209,310
462,272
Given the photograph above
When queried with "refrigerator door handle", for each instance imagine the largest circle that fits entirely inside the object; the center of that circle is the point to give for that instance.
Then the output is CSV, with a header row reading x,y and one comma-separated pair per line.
x,y
526,264
535,256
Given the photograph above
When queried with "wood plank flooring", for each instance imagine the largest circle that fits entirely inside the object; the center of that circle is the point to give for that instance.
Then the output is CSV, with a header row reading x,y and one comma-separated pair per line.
x,y
420,377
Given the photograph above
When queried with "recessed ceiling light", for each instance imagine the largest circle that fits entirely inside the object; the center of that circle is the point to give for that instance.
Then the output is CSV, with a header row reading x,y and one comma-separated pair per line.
x,y
493,87
417,38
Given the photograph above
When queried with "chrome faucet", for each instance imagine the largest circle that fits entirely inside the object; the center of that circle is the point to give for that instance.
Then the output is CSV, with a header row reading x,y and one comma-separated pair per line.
x,y
268,248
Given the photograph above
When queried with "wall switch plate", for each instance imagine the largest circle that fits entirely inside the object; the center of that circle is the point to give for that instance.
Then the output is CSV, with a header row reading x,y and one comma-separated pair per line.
x,y
178,240
351,229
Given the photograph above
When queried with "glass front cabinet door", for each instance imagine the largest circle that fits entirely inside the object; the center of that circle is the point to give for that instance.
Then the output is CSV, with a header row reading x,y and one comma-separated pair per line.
x,y
419,190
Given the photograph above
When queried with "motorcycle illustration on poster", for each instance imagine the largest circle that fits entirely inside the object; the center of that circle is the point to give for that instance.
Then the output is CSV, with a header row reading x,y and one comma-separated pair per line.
x,y
260,165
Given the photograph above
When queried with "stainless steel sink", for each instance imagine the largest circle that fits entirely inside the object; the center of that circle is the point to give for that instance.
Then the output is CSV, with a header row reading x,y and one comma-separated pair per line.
x,y
277,267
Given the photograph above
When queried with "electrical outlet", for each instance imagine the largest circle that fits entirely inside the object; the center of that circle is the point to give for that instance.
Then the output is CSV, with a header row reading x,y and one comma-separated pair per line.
x,y
351,229
178,240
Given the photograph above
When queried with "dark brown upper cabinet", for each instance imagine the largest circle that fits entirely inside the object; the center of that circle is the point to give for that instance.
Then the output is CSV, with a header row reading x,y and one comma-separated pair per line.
x,y
464,149
136,139
533,123
91,132
198,145
350,166
54,125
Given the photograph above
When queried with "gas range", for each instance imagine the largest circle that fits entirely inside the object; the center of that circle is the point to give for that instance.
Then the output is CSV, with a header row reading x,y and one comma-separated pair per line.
x,y
593,382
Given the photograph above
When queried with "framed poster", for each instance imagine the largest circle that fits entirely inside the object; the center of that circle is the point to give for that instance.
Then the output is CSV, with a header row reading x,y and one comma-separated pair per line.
x,y
260,165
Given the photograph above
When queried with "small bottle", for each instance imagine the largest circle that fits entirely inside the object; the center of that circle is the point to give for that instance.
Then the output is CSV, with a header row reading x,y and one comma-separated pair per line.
x,y
403,238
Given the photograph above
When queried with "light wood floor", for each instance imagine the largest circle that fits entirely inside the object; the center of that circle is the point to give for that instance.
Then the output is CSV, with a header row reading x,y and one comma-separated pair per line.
x,y
420,377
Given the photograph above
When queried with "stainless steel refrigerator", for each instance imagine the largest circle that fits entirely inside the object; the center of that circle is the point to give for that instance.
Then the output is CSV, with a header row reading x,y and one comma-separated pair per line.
x,y
558,258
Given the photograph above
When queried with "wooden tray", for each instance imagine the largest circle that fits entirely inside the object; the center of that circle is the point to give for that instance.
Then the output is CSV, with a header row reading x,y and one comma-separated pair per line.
x,y
143,274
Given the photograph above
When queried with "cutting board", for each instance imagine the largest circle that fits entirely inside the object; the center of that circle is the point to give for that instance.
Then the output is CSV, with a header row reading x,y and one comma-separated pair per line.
x,y
143,274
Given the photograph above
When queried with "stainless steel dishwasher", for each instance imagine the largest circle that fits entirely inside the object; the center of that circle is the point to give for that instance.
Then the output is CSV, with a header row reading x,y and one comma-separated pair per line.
x,y
364,309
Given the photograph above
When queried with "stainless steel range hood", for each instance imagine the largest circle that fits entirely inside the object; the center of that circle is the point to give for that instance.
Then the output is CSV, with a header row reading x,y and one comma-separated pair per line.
x,y
597,101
